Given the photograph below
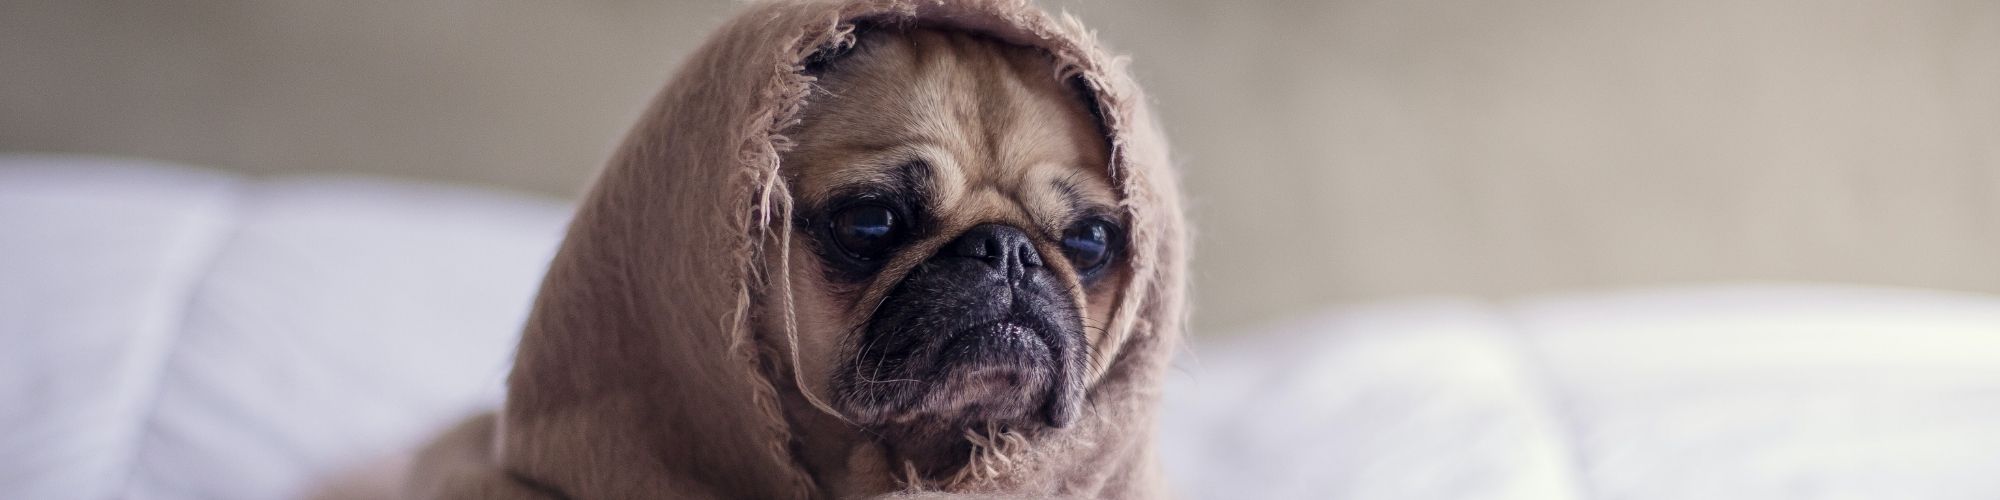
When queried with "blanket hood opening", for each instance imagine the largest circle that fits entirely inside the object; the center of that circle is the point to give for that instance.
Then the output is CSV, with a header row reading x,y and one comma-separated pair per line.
x,y
639,371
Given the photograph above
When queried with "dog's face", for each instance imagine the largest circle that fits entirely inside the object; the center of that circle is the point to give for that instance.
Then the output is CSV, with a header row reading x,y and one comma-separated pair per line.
x,y
962,240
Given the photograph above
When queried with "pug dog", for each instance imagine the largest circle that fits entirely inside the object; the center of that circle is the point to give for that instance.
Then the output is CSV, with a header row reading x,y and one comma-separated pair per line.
x,y
960,244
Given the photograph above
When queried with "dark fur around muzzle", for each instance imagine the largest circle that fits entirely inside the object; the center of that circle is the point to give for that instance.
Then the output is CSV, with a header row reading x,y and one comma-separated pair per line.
x,y
981,333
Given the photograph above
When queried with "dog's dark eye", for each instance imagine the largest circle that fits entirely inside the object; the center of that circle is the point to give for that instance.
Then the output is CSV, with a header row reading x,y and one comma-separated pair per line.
x,y
1089,244
867,231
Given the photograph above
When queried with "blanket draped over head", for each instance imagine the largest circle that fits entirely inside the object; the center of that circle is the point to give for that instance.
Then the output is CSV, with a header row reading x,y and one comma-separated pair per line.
x,y
640,373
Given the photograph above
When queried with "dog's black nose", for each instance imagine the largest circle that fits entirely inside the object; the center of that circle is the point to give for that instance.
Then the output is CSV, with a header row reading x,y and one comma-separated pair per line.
x,y
1004,247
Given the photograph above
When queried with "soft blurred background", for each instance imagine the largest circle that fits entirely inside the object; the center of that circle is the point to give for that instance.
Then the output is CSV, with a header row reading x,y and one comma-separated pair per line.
x,y
1334,150
1510,249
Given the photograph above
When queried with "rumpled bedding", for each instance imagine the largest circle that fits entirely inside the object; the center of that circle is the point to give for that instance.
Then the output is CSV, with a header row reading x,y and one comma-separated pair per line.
x,y
176,333
1713,393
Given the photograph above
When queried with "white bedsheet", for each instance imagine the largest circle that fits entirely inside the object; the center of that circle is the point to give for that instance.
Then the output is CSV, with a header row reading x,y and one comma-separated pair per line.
x,y
1702,393
175,333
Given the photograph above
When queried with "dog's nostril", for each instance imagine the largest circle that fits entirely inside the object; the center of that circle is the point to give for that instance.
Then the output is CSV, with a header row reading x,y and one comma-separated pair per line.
x,y
1005,247
993,248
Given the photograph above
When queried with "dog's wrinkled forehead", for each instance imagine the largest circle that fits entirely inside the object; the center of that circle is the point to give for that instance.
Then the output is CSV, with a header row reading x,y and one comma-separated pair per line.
x,y
977,130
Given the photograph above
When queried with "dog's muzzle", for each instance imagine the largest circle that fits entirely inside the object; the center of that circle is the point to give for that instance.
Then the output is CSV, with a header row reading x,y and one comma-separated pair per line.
x,y
981,332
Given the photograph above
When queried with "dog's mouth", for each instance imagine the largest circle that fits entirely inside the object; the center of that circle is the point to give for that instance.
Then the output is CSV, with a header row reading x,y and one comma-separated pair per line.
x,y
998,371
939,358
995,372
998,343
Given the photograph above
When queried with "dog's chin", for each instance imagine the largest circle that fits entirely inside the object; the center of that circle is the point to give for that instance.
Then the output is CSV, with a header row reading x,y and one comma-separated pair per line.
x,y
996,376
996,373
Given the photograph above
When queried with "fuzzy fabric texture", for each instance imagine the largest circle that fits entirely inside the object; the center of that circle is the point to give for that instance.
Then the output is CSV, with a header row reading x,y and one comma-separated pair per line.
x,y
639,374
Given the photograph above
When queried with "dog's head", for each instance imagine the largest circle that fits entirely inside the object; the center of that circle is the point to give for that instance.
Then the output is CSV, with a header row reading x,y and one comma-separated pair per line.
x,y
961,238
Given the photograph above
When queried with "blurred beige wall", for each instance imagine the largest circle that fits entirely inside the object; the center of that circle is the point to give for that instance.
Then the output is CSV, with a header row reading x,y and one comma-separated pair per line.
x,y
1334,150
